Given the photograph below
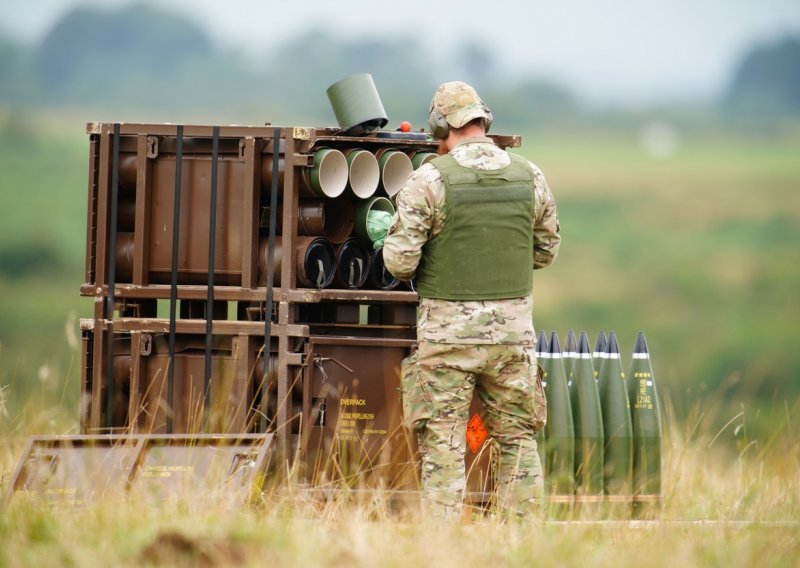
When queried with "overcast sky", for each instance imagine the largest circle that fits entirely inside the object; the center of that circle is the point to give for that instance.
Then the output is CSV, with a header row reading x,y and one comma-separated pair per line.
x,y
624,51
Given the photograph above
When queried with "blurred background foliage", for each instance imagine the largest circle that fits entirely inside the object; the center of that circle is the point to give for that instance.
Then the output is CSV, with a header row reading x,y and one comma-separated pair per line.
x,y
680,220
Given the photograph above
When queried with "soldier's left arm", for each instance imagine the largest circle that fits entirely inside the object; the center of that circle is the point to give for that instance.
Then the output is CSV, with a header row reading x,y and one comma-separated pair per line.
x,y
546,237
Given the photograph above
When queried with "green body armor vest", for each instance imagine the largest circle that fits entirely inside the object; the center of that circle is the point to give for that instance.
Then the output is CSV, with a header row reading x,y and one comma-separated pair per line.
x,y
485,250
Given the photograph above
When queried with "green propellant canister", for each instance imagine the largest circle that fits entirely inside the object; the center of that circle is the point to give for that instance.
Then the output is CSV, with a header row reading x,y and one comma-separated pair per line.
x,y
599,353
372,219
646,421
588,421
618,455
559,477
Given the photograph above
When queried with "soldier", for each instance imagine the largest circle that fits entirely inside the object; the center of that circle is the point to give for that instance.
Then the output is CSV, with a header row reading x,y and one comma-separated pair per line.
x,y
472,225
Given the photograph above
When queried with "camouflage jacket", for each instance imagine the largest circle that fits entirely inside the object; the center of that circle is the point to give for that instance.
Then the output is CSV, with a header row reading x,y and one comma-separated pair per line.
x,y
419,217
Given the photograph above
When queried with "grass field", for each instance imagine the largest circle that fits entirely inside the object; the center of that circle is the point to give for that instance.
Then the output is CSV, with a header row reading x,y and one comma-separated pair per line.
x,y
697,248
720,508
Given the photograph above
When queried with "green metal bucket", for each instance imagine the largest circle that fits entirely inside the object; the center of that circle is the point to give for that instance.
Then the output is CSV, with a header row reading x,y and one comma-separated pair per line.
x,y
357,105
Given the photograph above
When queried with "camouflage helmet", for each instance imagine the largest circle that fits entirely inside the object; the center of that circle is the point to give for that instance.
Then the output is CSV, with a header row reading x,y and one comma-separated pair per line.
x,y
455,104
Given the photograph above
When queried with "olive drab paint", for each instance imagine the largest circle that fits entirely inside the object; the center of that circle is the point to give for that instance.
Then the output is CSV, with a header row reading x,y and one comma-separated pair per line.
x,y
569,354
646,422
617,428
588,421
559,477
599,353
541,344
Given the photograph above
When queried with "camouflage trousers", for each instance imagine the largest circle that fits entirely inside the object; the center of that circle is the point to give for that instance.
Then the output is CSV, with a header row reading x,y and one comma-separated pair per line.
x,y
438,384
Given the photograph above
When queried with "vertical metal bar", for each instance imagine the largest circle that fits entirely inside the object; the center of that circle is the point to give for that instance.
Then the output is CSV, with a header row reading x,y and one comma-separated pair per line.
x,y
286,314
212,243
91,210
273,219
110,300
250,211
173,295
134,402
103,206
144,194
88,375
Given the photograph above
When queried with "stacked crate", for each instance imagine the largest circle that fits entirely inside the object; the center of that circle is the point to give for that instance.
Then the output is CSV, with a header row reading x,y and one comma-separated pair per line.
x,y
187,235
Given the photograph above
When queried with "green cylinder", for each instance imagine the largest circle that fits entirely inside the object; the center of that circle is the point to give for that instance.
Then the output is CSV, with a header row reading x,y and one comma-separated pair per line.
x,y
559,475
364,174
646,421
588,422
363,209
357,105
421,158
395,167
328,176
617,429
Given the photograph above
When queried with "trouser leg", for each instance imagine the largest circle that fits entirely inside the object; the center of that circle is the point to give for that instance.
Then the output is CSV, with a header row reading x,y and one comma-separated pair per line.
x,y
445,373
507,390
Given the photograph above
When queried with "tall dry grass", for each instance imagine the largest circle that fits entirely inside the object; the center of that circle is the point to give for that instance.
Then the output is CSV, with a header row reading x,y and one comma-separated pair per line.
x,y
727,500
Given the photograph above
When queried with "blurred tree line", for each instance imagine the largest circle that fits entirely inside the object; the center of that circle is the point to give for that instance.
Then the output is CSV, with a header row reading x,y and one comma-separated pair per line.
x,y
138,60
767,81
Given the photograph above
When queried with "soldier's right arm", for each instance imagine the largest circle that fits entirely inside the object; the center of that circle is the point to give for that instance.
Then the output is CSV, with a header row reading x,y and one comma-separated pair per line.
x,y
546,229
411,225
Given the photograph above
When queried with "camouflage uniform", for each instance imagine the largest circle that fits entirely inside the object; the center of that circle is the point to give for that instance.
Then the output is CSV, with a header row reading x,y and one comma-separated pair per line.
x,y
488,344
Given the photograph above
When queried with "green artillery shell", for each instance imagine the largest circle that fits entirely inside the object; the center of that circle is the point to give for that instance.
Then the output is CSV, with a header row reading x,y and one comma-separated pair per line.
x,y
541,435
570,352
560,431
646,419
617,428
599,353
588,421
